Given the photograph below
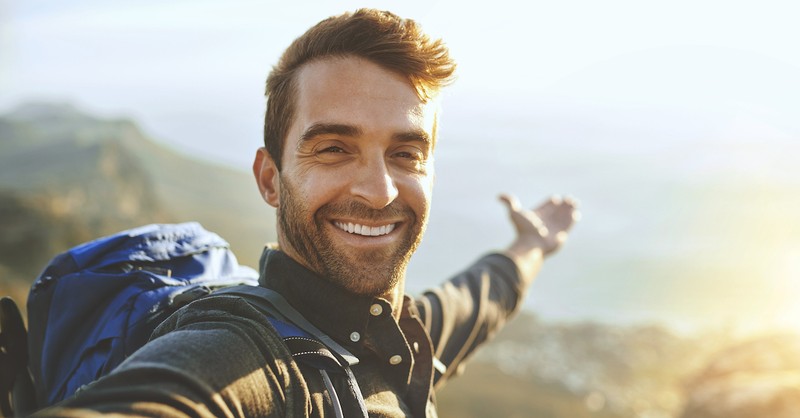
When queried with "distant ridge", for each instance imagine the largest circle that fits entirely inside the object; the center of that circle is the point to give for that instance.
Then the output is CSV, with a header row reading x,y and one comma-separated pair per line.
x,y
67,176
47,111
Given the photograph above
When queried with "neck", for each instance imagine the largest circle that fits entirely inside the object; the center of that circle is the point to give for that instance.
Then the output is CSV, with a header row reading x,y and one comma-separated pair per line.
x,y
395,297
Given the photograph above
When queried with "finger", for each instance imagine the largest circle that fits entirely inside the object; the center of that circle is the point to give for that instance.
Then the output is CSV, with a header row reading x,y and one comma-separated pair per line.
x,y
546,208
572,201
568,217
558,218
511,202
551,202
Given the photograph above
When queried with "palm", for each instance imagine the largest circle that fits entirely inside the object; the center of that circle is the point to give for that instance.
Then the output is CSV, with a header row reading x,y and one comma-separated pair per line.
x,y
546,226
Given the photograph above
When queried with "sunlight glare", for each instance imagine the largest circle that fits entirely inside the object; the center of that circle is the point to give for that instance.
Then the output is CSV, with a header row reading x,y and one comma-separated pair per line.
x,y
789,271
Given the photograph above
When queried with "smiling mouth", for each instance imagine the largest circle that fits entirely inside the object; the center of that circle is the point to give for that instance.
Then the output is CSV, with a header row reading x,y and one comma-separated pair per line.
x,y
364,230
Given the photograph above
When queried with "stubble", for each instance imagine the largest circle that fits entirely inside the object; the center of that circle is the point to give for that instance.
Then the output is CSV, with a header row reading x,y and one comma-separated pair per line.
x,y
367,272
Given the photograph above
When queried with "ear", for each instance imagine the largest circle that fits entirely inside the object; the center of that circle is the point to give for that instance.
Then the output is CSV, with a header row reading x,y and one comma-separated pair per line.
x,y
267,177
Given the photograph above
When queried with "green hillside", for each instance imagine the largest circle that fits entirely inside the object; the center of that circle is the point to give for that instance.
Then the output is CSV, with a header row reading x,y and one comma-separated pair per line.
x,y
67,177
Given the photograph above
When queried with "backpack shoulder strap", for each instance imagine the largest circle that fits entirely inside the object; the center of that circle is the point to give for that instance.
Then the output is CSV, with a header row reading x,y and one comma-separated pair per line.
x,y
16,385
307,343
308,350
275,306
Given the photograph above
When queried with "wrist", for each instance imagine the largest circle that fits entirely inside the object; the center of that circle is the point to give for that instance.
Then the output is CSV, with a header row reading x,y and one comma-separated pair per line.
x,y
527,257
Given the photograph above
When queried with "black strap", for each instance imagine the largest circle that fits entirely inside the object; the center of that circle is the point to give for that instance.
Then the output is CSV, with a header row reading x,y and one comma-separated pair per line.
x,y
16,385
274,304
337,406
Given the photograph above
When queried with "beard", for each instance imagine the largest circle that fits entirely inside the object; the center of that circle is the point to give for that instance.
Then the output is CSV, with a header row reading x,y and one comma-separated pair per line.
x,y
372,272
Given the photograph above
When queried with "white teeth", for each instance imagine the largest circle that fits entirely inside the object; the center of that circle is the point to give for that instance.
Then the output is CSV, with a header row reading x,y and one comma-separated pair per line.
x,y
367,231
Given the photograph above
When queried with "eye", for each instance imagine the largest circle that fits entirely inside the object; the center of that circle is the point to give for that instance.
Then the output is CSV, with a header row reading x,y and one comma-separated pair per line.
x,y
410,158
332,149
410,154
332,152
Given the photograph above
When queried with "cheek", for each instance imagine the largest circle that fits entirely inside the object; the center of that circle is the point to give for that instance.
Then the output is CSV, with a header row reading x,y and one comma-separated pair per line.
x,y
317,190
419,192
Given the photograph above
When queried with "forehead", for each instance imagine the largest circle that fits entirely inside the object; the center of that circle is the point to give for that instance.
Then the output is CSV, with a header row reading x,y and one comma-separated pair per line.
x,y
358,91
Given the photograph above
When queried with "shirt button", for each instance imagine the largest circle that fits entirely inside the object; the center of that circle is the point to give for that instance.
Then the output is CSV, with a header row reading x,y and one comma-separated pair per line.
x,y
395,360
355,337
376,309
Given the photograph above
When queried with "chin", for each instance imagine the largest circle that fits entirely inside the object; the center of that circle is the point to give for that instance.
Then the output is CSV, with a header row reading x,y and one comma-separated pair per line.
x,y
363,278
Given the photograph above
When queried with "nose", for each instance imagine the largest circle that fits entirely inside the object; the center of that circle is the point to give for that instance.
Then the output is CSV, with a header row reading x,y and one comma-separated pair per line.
x,y
373,183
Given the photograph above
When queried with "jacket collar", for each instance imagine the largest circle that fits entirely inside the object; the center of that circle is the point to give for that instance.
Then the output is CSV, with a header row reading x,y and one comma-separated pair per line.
x,y
333,310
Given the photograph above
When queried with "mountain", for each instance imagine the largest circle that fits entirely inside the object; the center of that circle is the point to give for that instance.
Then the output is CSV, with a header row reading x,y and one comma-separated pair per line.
x,y
67,177
572,370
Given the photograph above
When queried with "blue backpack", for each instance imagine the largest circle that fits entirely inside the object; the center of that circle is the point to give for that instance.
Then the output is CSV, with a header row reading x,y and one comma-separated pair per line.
x,y
96,304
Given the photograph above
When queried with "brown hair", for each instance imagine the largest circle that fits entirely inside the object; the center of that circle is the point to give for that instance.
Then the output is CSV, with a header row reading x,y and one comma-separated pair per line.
x,y
386,39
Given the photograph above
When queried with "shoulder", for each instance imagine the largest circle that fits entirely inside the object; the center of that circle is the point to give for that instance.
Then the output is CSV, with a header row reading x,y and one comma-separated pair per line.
x,y
226,317
229,346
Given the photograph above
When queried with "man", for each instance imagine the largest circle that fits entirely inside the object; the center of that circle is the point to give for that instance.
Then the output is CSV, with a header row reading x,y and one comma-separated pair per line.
x,y
348,162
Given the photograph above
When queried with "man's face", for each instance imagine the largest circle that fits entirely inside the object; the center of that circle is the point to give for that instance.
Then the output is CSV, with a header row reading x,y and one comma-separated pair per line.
x,y
355,186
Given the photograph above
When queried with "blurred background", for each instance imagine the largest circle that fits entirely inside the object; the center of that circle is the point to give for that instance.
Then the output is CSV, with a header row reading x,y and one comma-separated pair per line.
x,y
674,123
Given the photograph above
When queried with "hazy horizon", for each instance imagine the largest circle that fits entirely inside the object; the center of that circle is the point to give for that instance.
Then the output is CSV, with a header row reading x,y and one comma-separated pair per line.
x,y
675,126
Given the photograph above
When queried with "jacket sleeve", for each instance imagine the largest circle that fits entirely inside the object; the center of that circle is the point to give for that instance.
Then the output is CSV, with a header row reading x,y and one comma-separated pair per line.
x,y
470,308
217,357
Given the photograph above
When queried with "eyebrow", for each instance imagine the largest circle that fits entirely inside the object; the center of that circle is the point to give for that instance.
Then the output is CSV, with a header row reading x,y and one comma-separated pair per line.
x,y
318,129
413,136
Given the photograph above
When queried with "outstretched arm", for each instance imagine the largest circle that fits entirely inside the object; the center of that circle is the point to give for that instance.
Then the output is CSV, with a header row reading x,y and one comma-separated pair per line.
x,y
472,306
540,231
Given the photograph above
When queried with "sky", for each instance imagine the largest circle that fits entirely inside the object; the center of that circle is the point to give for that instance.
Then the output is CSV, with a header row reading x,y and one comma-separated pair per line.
x,y
675,124
193,71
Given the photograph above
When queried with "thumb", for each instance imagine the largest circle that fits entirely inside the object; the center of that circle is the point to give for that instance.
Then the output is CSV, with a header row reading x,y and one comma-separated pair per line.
x,y
511,202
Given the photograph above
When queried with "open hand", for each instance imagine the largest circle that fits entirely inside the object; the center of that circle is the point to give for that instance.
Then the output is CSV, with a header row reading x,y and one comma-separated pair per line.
x,y
546,227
